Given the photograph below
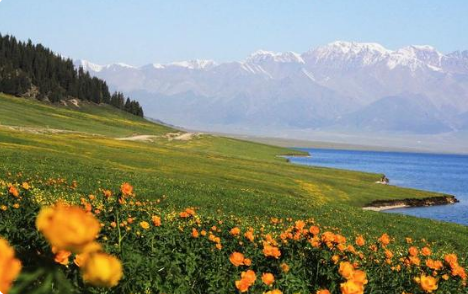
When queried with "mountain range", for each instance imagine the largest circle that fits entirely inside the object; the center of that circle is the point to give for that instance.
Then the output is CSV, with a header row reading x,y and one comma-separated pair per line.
x,y
346,87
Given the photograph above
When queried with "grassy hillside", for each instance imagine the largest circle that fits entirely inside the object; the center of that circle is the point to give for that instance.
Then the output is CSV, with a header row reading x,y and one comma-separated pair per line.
x,y
216,175
212,172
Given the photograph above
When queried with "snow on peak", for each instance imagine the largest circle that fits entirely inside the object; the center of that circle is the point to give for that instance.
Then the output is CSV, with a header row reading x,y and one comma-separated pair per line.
x,y
270,56
158,66
121,64
88,66
418,55
355,47
194,64
341,54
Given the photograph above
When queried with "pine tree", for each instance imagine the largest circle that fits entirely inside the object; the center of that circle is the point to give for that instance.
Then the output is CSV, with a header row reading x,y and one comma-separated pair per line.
x,y
24,65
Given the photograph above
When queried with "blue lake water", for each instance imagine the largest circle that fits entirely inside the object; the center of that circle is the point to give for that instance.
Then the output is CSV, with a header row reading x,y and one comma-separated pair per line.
x,y
433,172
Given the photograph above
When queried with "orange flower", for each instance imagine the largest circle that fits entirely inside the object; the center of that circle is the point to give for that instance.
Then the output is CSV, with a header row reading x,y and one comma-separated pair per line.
x,y
195,233
242,285
126,189
360,277
10,267
335,258
13,191
237,258
428,283
268,279
107,193
413,251
299,225
451,258
274,291
426,251
284,267
314,230
80,259
272,251
67,227
360,241
346,270
235,231
323,291
351,287
247,262
249,235
61,256
190,211
414,260
156,221
328,237
434,264
249,276
384,240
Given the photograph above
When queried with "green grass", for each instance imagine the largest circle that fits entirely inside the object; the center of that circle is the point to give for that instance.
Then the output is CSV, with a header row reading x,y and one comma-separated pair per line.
x,y
210,172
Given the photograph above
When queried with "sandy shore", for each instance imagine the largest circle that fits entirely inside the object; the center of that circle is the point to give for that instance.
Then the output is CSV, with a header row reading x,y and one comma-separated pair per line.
x,y
388,207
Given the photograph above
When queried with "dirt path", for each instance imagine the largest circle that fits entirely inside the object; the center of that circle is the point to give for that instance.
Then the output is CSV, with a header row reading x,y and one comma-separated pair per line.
x,y
169,136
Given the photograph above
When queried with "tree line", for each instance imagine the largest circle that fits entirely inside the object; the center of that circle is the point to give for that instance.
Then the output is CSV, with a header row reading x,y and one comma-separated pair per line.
x,y
28,69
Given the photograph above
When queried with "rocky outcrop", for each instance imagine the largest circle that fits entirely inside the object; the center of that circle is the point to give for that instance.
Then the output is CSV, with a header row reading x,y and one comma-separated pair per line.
x,y
411,202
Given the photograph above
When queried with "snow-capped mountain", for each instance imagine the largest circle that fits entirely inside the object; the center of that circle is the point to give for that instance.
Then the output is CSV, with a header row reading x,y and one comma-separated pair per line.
x,y
340,86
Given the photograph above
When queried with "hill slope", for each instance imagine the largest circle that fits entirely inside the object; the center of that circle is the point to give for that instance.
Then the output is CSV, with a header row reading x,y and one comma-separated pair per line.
x,y
210,172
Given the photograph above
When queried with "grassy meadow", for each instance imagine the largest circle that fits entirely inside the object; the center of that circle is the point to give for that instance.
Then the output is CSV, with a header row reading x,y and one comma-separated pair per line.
x,y
228,182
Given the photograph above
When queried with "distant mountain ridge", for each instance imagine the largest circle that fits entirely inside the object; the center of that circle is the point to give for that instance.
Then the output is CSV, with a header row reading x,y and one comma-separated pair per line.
x,y
339,86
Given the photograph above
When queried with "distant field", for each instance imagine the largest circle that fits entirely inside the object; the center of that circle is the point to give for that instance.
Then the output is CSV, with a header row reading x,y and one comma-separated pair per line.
x,y
210,172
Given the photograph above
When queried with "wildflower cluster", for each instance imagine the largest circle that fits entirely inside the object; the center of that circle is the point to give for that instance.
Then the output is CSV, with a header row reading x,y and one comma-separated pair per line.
x,y
108,241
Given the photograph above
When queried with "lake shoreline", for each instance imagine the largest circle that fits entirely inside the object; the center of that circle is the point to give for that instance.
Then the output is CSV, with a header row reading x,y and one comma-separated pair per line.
x,y
381,205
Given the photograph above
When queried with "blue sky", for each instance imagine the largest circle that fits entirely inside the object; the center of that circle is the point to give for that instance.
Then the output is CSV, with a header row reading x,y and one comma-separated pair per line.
x,y
139,32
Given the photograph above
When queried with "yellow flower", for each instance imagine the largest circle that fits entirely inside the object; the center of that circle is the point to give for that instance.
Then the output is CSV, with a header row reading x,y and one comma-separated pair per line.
x,y
428,283
275,291
102,270
67,227
10,267
351,287
360,277
346,270
25,186
144,225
